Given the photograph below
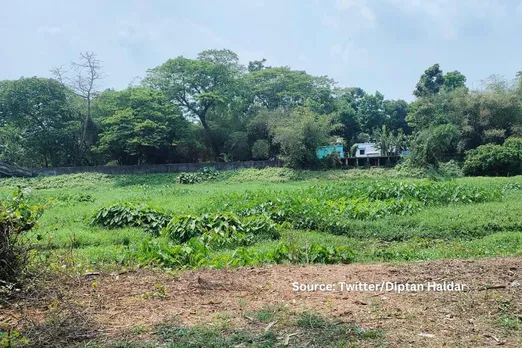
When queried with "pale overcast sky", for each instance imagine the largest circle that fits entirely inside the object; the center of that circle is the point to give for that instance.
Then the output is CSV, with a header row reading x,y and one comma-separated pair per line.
x,y
380,45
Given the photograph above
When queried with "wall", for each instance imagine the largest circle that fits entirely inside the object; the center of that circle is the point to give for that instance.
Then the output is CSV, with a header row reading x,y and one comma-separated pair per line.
x,y
156,168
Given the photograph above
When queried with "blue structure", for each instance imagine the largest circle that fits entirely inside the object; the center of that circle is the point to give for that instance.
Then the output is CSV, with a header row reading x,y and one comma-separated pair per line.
x,y
322,151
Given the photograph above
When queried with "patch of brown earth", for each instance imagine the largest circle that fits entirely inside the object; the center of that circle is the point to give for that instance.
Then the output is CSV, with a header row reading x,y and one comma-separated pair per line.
x,y
470,318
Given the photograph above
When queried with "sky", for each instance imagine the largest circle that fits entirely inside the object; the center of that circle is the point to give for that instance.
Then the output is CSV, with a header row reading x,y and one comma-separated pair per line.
x,y
378,45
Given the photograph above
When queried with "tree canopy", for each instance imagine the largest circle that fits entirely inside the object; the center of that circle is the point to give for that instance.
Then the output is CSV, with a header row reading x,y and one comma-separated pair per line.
x,y
211,107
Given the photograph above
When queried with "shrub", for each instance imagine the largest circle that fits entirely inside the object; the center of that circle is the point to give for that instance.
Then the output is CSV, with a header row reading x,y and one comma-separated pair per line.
x,y
495,160
261,149
128,214
16,218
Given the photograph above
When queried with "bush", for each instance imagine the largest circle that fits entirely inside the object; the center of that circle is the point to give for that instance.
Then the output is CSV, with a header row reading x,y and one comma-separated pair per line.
x,y
495,160
202,175
128,214
261,149
16,218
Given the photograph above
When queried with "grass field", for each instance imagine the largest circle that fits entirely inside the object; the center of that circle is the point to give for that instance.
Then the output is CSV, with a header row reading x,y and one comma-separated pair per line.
x,y
275,216
488,227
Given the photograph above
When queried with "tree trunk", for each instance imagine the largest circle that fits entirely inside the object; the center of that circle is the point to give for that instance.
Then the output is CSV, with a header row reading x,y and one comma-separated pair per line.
x,y
215,147
7,170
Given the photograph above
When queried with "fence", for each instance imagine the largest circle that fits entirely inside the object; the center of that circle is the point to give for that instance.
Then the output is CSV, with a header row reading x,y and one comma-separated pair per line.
x,y
156,168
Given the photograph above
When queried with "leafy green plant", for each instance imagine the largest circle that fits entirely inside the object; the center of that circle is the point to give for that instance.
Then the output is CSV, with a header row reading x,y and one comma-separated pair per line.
x,y
202,175
332,208
495,160
12,339
17,216
128,214
221,229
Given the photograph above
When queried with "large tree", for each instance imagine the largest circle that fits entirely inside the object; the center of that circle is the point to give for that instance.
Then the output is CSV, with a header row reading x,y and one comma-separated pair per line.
x,y
371,112
199,85
84,79
430,82
453,80
395,115
42,121
138,125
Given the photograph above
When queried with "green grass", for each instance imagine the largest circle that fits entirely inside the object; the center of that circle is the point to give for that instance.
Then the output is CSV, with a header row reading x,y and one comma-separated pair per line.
x,y
305,329
491,228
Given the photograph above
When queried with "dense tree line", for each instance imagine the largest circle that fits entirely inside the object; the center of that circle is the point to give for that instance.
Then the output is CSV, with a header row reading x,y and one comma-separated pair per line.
x,y
213,108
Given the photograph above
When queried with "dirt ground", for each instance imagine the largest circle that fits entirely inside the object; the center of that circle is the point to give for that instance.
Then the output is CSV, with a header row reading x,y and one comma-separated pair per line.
x,y
479,316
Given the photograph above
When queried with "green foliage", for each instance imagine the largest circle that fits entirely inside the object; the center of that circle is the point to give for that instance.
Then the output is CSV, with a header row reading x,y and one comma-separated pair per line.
x,y
128,214
433,145
332,208
42,126
202,175
237,146
12,339
221,229
71,199
430,82
371,112
261,149
495,160
198,85
138,125
299,134
195,253
17,216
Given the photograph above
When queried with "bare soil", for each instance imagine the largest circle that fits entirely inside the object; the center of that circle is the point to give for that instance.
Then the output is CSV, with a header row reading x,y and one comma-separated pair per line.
x,y
472,318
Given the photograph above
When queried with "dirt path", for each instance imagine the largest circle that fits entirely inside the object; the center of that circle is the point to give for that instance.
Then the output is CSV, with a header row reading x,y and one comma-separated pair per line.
x,y
471,318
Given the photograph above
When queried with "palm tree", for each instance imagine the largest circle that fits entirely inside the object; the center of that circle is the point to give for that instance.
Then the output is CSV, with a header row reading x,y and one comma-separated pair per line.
x,y
383,140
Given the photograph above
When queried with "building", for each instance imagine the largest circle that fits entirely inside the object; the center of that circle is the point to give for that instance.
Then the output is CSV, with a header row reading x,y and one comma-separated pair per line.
x,y
323,151
366,150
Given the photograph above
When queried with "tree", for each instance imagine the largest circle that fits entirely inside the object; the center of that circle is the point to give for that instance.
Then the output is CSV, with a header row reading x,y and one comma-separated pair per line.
x,y
198,85
430,82
281,87
42,121
237,147
256,65
453,80
435,144
261,149
299,134
85,79
347,117
396,112
139,126
370,113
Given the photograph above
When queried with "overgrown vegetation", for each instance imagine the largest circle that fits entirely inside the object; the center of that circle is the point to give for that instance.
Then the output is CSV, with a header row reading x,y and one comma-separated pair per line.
x,y
131,214
495,160
17,216
273,216
202,175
